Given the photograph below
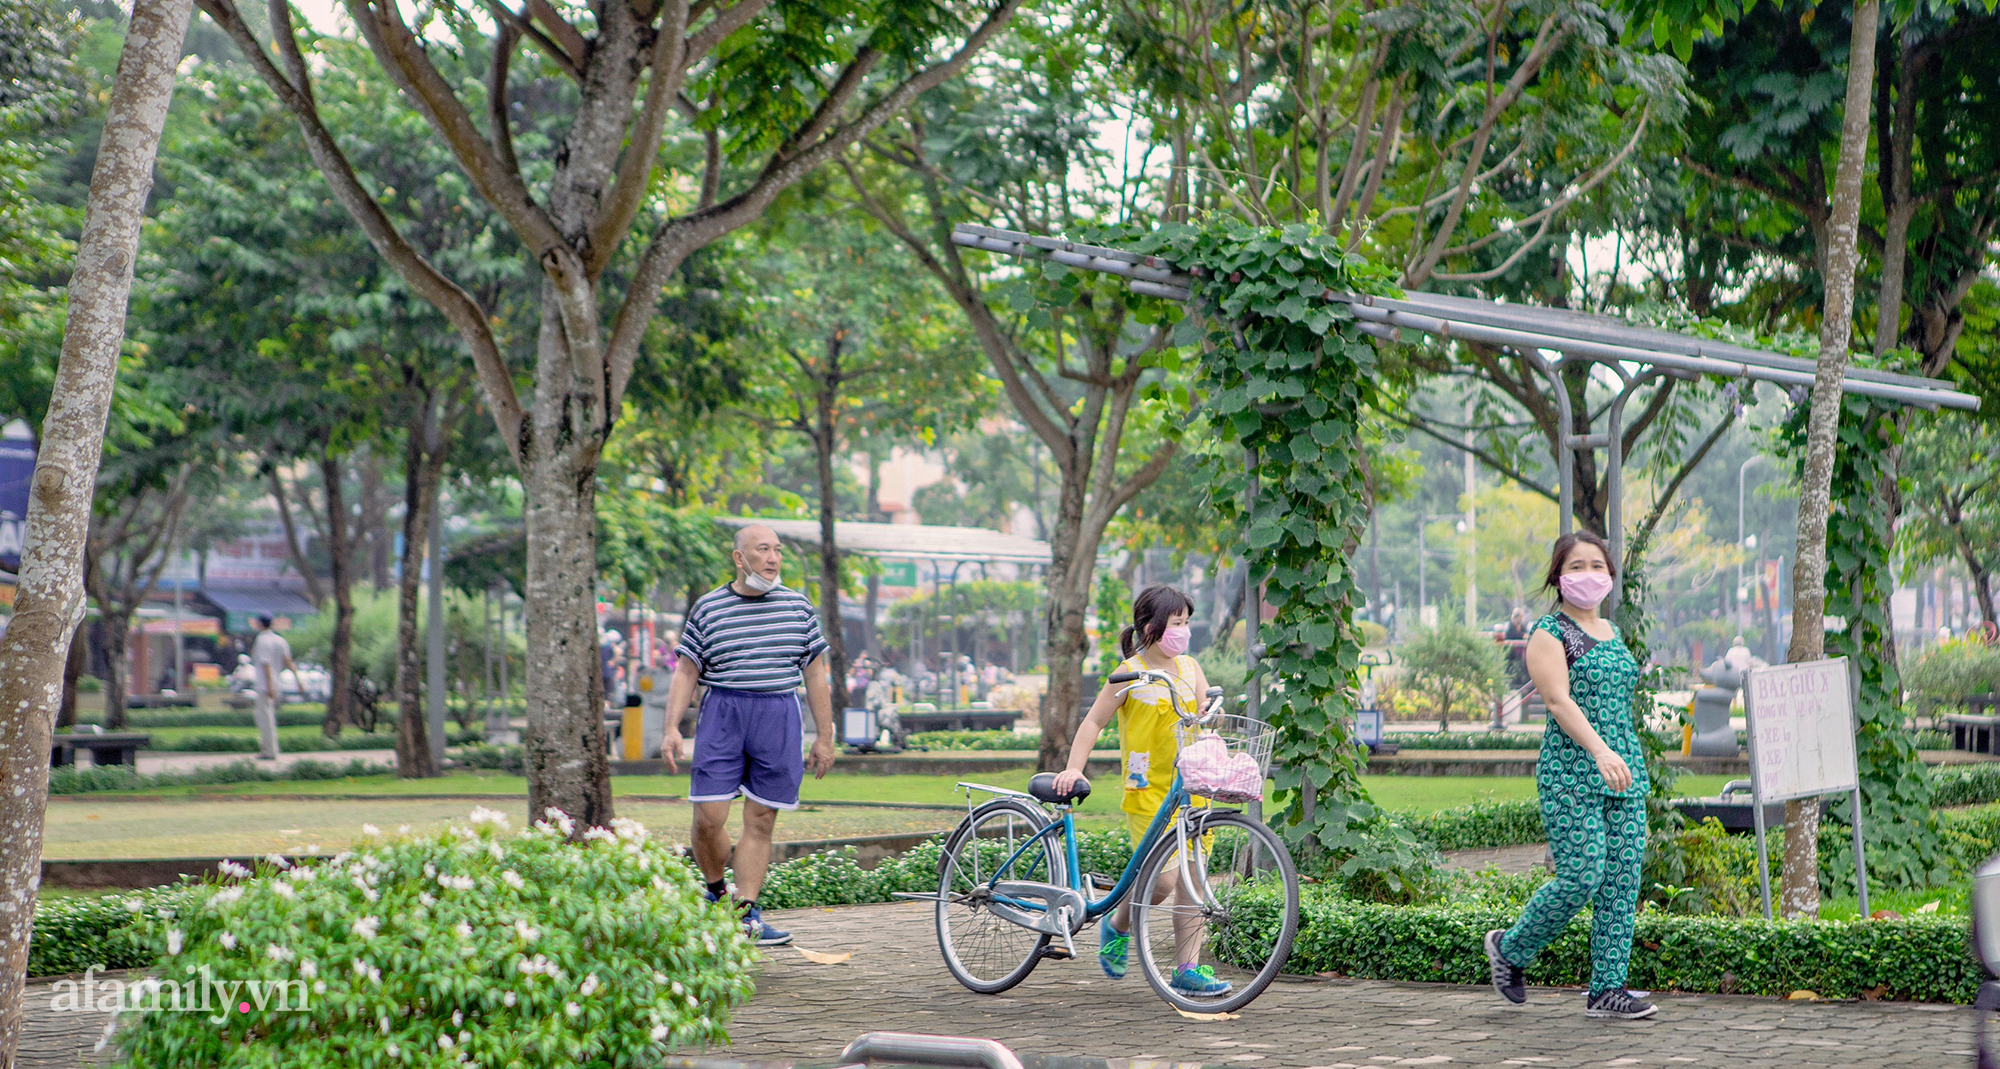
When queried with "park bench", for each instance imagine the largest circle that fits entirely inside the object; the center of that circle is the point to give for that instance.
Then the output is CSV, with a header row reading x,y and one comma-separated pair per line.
x,y
1975,732
1733,808
110,748
961,720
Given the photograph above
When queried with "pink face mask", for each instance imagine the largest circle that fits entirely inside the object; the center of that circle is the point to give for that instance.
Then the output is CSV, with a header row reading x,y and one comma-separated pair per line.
x,y
1174,640
1584,589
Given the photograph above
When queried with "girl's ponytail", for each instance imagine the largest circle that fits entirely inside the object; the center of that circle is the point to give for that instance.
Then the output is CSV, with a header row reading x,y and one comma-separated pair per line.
x,y
1128,641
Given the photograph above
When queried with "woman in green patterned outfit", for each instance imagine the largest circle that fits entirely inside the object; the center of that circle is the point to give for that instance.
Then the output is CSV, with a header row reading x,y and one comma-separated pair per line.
x,y
1592,782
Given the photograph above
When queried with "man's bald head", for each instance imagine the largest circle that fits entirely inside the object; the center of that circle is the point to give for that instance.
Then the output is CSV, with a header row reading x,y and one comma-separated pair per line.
x,y
758,552
754,534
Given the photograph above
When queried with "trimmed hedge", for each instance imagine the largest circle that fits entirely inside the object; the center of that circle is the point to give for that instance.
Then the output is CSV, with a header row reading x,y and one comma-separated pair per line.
x,y
300,741
72,779
1924,959
1967,784
74,934
1464,740
837,879
1479,825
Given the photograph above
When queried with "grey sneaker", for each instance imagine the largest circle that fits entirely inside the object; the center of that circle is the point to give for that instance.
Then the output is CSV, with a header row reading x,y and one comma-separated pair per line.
x,y
1618,1003
1509,979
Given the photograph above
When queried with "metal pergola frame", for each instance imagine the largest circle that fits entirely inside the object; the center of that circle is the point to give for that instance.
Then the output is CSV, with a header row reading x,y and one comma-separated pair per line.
x,y
1637,355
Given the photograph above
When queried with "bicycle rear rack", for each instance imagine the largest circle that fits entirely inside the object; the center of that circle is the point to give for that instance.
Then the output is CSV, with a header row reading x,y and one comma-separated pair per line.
x,y
906,1048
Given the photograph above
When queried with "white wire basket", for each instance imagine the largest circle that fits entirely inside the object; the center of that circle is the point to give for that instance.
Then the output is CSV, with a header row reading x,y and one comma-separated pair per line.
x,y
1226,759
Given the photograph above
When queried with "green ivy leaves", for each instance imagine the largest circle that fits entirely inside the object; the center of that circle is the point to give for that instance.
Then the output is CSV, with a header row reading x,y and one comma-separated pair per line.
x,y
1285,374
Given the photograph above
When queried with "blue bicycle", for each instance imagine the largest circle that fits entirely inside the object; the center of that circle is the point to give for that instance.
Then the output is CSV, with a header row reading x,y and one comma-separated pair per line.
x,y
1208,884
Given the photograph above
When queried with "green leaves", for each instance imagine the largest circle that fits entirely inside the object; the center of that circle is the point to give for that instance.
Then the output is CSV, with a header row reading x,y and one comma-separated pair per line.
x,y
1282,376
527,950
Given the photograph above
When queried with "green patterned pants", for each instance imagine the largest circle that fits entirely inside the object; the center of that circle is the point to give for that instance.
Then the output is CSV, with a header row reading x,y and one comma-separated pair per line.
x,y
1599,843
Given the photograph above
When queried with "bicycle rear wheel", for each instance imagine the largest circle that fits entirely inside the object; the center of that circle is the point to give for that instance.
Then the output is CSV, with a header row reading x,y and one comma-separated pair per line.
x,y
984,951
1233,907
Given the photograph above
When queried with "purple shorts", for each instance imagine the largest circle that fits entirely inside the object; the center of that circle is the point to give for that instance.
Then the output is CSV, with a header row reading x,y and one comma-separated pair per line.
x,y
750,743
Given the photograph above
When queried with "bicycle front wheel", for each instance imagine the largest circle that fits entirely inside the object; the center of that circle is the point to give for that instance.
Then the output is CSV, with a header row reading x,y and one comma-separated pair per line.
x,y
1230,904
984,951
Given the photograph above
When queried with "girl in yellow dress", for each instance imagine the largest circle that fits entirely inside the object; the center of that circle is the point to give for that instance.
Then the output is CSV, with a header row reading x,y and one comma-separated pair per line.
x,y
1158,640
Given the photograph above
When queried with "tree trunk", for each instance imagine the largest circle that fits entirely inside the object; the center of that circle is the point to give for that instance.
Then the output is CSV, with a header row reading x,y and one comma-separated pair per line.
x,y
1071,568
49,603
1801,873
1896,136
568,767
824,441
413,748
117,663
73,668
565,747
341,550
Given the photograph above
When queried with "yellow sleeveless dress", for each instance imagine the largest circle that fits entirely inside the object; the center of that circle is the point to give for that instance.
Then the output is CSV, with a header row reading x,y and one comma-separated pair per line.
x,y
1146,745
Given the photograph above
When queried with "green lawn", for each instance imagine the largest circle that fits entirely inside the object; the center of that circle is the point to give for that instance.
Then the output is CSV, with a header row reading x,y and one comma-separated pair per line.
x,y
1419,793
196,827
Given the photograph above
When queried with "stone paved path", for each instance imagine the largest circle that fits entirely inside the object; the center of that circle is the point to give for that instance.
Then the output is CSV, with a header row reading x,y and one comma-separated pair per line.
x,y
805,1013
895,981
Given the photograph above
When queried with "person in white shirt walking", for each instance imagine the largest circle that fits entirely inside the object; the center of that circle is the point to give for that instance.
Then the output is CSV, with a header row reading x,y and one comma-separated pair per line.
x,y
269,655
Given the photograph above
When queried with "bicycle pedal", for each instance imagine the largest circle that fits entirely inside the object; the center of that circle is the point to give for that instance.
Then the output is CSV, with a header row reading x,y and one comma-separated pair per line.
x,y
1100,882
1056,952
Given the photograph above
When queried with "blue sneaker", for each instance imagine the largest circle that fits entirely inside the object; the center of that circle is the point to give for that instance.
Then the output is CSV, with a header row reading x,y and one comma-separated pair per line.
x,y
1198,980
760,933
1112,945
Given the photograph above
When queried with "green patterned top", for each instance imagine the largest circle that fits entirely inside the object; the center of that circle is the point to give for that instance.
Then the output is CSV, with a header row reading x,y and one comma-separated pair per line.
x,y
1602,673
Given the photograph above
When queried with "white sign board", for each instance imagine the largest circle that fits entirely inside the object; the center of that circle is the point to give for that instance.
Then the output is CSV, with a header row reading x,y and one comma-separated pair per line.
x,y
1801,720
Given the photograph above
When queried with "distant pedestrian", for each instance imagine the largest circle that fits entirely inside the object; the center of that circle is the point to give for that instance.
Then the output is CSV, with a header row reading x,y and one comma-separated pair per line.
x,y
269,655
1517,650
753,643
1592,782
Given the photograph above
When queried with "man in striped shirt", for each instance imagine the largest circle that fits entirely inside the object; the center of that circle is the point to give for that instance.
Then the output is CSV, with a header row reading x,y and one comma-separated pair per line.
x,y
753,644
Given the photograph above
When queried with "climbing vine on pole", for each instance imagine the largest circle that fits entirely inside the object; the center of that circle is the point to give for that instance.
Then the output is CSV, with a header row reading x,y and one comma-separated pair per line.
x,y
1286,374
1904,843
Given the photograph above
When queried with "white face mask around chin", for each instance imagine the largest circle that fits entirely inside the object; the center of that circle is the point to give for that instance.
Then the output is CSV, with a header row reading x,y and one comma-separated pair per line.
x,y
757,582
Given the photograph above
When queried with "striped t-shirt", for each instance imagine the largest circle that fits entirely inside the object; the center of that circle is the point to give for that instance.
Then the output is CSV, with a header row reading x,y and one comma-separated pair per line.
x,y
745,643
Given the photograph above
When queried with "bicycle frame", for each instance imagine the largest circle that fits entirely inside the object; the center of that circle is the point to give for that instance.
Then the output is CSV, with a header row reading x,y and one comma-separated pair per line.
x,y
1178,800
1065,825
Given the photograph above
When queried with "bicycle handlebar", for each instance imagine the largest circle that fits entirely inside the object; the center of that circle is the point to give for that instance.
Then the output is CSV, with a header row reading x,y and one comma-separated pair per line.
x,y
1199,716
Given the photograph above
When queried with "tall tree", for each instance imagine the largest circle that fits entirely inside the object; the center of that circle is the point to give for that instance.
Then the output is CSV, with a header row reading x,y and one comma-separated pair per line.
x,y
49,600
1072,371
136,530
1801,875
857,348
1952,464
787,86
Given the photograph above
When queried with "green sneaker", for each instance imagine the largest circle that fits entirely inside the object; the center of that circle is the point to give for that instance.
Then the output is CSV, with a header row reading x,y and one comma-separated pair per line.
x,y
1198,980
1111,947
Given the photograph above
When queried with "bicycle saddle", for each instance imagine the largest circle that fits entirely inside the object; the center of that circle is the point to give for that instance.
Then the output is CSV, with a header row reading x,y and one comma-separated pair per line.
x,y
1043,787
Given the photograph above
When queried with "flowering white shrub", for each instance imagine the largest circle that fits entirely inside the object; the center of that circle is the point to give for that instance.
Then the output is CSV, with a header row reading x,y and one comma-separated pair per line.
x,y
474,946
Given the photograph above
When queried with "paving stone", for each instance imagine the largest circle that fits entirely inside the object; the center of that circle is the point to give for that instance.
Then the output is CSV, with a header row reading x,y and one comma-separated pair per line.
x,y
896,981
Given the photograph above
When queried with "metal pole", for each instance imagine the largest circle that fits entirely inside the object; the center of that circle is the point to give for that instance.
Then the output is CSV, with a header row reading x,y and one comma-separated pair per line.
x,y
1740,470
180,645
1614,477
434,560
1860,865
1253,604
1565,456
1471,528
1422,558
1757,799
1763,850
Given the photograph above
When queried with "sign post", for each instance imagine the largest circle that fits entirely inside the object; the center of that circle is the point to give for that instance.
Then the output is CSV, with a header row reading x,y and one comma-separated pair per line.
x,y
1801,721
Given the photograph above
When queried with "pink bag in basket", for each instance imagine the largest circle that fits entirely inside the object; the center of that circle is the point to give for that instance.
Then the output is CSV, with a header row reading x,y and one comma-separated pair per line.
x,y
1204,764
1244,783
